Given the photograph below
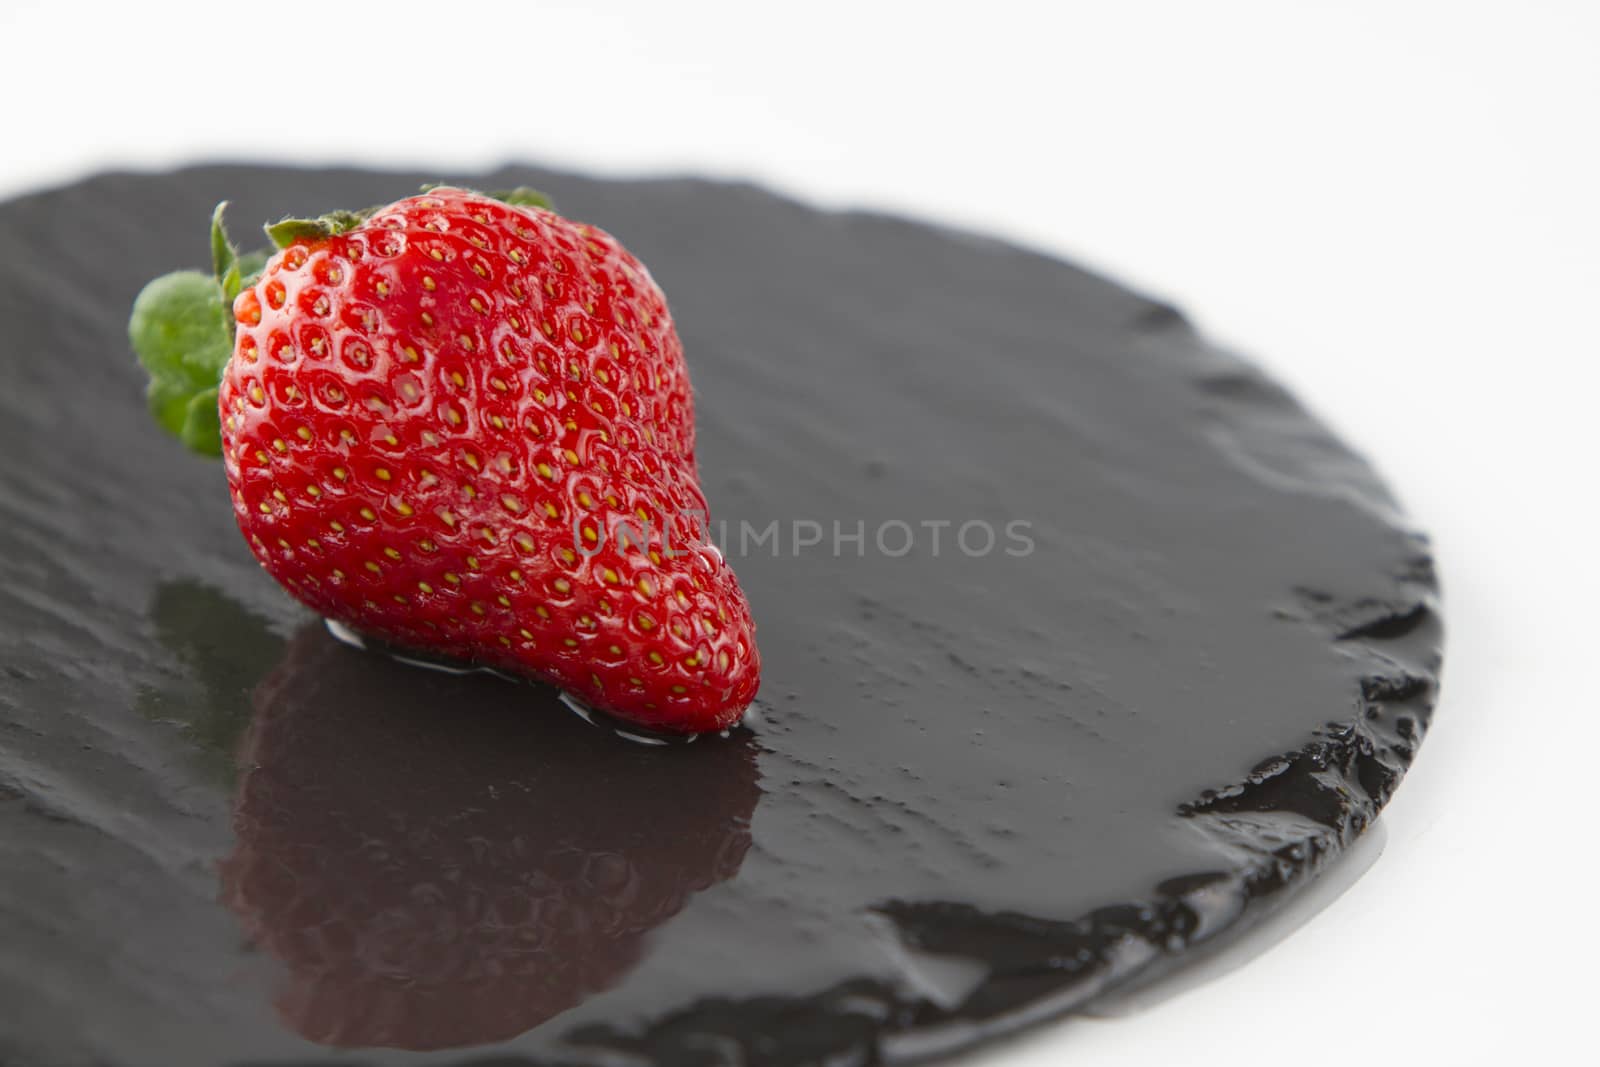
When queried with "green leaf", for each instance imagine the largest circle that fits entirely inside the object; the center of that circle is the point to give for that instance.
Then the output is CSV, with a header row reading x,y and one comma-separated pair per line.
x,y
251,265
224,257
522,196
230,284
202,424
286,232
181,330
234,271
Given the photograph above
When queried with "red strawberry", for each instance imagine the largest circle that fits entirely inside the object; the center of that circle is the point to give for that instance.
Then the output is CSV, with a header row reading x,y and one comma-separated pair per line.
x,y
464,426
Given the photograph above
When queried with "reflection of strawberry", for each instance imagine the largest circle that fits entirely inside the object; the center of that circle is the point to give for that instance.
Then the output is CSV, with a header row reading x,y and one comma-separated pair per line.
x,y
437,867
464,425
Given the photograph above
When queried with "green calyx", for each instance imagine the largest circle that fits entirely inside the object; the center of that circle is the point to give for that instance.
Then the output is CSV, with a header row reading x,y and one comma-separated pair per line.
x,y
179,330
521,196
286,232
181,327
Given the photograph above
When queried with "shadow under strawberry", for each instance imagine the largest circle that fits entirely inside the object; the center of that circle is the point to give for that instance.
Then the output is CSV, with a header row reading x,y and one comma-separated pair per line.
x,y
443,861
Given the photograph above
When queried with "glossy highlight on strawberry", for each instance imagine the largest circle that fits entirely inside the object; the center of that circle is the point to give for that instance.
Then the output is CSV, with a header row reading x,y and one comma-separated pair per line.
x,y
465,426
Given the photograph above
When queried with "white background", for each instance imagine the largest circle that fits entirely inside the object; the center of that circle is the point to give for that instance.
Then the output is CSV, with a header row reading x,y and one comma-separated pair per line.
x,y
1392,204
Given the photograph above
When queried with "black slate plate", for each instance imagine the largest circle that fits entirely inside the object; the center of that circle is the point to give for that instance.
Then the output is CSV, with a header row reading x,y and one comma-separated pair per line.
x,y
983,786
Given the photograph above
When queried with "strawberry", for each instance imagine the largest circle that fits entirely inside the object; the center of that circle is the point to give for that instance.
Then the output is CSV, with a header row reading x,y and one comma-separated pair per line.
x,y
462,424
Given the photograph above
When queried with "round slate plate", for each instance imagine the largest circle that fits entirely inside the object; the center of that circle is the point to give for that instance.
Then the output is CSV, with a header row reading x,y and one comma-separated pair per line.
x,y
1082,640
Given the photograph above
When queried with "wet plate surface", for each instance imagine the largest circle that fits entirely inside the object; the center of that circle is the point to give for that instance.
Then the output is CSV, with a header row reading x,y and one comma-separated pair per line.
x,y
1129,648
